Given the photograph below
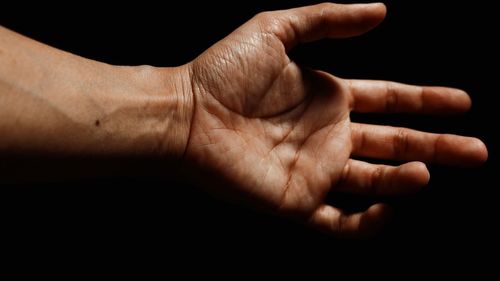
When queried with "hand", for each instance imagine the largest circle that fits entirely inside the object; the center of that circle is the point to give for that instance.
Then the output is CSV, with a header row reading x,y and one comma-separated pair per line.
x,y
277,135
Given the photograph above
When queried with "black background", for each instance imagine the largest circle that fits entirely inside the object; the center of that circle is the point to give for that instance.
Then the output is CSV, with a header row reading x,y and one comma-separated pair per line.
x,y
438,43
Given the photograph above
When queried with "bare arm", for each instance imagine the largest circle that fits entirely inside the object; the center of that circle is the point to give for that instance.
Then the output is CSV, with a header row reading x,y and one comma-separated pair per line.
x,y
55,105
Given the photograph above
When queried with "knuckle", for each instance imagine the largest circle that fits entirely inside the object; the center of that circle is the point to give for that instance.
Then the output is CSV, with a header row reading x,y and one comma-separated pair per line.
x,y
391,99
339,225
376,176
326,5
400,143
359,144
327,8
346,172
350,97
264,16
270,22
420,103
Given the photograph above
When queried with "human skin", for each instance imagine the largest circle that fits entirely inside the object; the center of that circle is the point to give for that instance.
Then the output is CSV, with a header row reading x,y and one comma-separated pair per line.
x,y
242,120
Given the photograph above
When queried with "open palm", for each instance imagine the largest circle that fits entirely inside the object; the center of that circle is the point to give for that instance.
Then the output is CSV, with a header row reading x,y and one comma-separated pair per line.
x,y
276,135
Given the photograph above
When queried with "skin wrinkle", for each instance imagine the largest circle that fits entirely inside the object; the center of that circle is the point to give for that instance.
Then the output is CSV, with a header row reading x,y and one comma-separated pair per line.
x,y
235,112
266,130
271,86
186,102
351,100
287,134
225,148
291,111
269,24
216,116
272,81
329,136
338,225
421,104
266,93
435,147
360,141
391,100
246,45
323,20
281,162
400,143
269,40
375,179
295,33
194,107
293,163
346,172
282,201
242,69
217,100
268,168
220,59
229,128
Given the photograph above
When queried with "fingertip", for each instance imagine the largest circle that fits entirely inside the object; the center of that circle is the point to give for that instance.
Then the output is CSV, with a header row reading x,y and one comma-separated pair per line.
x,y
465,101
480,151
415,176
376,12
473,153
422,173
380,211
373,5
374,219
381,8
353,19
461,151
444,100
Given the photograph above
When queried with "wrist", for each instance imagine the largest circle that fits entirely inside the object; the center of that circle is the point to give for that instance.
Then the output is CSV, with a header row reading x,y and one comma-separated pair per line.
x,y
163,111
177,109
145,119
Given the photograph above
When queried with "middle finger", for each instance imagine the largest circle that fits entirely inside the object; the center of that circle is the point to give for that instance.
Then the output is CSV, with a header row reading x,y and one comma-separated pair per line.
x,y
386,142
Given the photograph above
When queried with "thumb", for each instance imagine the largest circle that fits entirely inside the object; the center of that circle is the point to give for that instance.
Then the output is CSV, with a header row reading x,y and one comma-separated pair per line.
x,y
325,20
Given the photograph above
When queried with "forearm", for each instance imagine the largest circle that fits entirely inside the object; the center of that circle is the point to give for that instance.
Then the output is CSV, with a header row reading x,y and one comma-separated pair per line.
x,y
60,106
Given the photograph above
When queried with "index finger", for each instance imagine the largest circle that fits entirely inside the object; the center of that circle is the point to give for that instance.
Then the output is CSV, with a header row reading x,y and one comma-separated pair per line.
x,y
390,97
